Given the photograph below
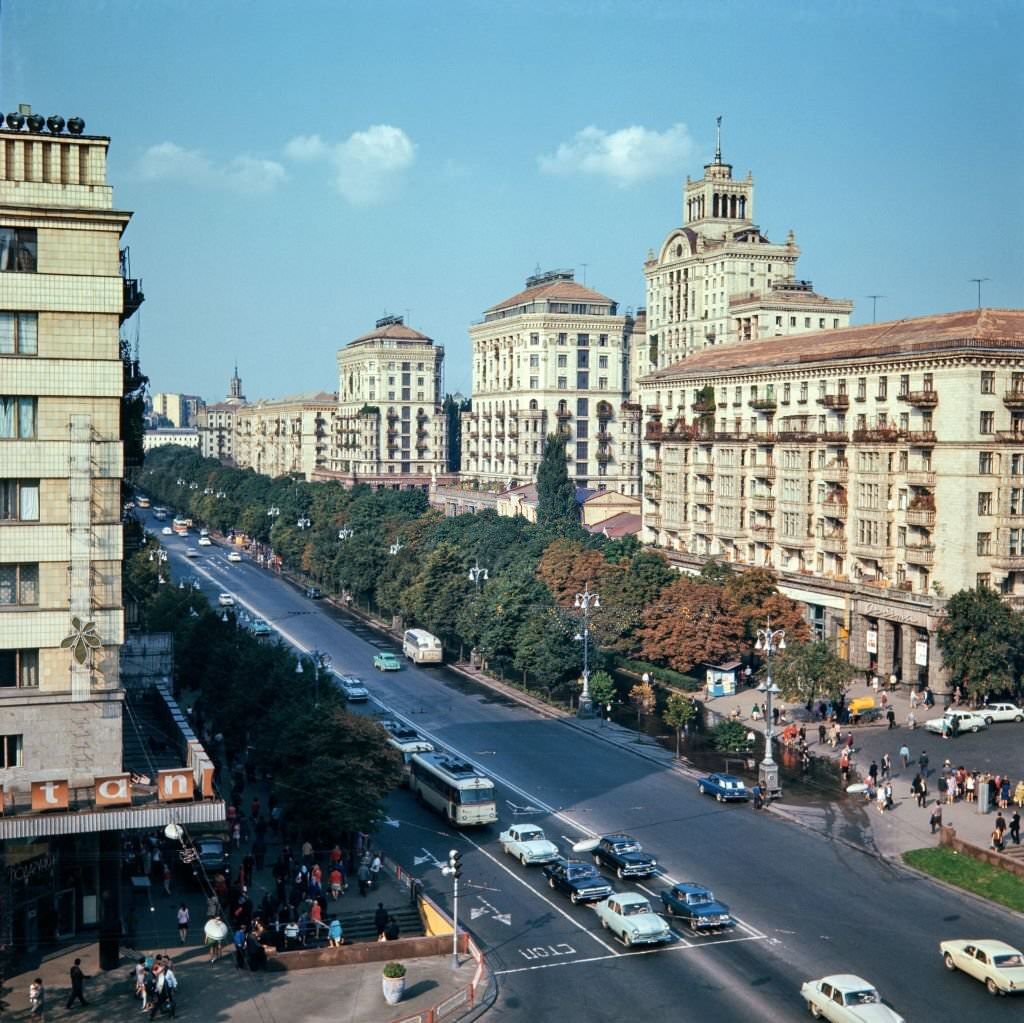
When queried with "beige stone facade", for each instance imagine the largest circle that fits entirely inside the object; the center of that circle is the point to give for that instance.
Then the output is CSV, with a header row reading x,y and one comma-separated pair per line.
x,y
62,299
879,469
389,428
216,424
287,436
553,357
718,279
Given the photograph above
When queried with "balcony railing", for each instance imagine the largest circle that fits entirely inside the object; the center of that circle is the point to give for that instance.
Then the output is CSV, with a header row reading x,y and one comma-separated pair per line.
x,y
653,520
920,399
797,436
763,404
705,498
921,517
652,464
835,509
603,455
834,544
704,468
763,472
837,472
764,534
703,407
1014,398
837,401
835,437
921,554
763,503
920,436
1010,436
653,432
877,435
921,478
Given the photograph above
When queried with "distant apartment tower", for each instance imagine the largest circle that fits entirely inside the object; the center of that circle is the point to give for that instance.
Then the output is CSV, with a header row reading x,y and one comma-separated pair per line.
x,y
718,279
62,300
554,356
389,427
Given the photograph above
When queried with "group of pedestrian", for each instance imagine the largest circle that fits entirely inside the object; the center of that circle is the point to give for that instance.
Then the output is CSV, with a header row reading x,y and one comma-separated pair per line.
x,y
156,985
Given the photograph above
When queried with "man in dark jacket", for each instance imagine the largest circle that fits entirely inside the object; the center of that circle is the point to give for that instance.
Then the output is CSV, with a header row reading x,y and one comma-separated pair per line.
x,y
77,984
380,919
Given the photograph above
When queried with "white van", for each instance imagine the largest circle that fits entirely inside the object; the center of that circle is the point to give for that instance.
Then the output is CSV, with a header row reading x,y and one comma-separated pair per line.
x,y
422,647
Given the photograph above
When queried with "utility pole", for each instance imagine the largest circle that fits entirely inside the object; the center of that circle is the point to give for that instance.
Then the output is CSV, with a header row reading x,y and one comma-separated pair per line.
x,y
874,307
979,281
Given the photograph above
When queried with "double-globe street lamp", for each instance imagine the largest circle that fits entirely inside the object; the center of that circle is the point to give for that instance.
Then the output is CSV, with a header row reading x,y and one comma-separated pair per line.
x,y
769,641
585,601
321,662
477,574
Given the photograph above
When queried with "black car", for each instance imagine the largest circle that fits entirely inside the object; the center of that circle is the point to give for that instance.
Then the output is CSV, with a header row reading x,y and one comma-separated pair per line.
x,y
314,592
625,856
211,856
579,880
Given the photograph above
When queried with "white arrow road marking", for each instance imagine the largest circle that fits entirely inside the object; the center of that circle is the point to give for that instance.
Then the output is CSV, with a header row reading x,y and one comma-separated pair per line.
x,y
390,822
523,809
427,857
505,918
476,911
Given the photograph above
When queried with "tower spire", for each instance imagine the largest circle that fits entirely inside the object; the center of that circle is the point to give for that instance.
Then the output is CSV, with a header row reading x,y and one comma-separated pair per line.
x,y
718,139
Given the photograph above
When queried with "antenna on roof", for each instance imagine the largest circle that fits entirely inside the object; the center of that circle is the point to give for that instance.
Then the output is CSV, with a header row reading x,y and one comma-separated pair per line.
x,y
718,139
874,306
980,281
584,265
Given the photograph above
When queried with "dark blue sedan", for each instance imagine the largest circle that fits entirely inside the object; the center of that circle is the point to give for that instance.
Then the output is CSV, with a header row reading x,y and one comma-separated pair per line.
x,y
724,787
696,905
579,880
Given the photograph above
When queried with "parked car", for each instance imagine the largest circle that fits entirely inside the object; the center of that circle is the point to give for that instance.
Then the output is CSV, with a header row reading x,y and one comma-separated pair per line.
x,y
258,627
234,556
225,600
724,787
1000,967
526,842
579,880
624,855
314,592
629,916
205,541
1001,712
167,531
696,905
387,661
844,998
965,721
353,688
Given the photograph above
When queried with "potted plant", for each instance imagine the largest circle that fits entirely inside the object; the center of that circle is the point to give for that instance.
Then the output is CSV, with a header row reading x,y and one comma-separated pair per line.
x,y
393,982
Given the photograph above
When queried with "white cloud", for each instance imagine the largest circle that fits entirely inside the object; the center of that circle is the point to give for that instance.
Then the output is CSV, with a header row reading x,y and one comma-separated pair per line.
x,y
625,156
366,167
167,161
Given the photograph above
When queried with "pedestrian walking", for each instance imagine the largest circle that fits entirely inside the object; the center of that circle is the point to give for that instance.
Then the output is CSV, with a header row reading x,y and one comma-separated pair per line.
x,y
913,699
334,933
363,875
239,941
890,716
905,755
936,818
170,988
922,762
183,921
140,981
886,766
77,984
37,999
380,919
375,865
1015,828
873,774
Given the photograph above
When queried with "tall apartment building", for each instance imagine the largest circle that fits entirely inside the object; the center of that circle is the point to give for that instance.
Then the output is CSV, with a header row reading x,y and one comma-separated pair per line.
x,y
285,436
216,423
554,356
389,427
878,469
719,279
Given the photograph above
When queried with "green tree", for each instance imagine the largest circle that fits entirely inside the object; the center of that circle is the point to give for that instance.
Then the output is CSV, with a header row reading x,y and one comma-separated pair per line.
x,y
730,737
602,688
557,511
439,592
810,671
979,640
544,651
678,713
643,698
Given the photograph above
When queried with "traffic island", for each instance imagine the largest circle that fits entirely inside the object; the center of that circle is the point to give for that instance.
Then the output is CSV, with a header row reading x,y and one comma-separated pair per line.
x,y
961,870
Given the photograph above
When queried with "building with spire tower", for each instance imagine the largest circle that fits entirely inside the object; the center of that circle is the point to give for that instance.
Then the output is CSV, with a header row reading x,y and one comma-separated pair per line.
x,y
216,423
718,279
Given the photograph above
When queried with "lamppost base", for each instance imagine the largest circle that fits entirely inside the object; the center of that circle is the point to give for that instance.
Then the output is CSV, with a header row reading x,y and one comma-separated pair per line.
x,y
585,708
768,779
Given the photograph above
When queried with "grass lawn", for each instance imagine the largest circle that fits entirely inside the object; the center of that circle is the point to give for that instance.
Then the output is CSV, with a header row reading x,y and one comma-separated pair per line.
x,y
954,868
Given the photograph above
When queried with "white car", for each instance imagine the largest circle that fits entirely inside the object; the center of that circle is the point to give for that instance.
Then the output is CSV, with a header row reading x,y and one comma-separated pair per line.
x,y
1001,712
353,688
844,998
526,842
1000,967
205,541
191,553
234,556
167,531
225,600
629,916
967,721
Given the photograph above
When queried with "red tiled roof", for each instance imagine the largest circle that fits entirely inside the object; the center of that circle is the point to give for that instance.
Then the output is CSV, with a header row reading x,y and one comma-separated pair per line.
x,y
623,524
974,328
568,291
394,332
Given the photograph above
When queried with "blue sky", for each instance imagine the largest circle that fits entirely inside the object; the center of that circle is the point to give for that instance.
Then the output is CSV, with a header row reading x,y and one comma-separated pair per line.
x,y
299,169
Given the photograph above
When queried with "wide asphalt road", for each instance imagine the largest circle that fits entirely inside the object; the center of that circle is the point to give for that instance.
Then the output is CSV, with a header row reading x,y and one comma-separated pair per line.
x,y
807,906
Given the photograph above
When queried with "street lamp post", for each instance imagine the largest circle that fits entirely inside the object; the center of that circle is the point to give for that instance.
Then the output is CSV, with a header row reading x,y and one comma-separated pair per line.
x,y
585,601
477,574
769,641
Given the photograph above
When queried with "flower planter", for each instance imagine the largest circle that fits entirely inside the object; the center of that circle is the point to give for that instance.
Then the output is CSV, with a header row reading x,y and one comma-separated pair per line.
x,y
394,988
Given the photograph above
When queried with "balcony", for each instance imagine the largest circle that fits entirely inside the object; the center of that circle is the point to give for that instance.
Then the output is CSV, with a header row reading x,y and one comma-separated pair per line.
x,y
797,436
837,472
763,472
132,297
921,478
920,436
653,490
734,532
921,517
603,437
765,437
1009,562
763,534
731,438
835,437
877,435
1014,398
706,499
1010,436
764,502
835,509
921,554
703,407
704,468
563,414
653,432
835,401
920,399
763,404
652,464
603,455
653,520
835,544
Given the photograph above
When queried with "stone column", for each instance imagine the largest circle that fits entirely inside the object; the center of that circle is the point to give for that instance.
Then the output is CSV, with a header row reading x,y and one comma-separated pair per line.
x,y
886,630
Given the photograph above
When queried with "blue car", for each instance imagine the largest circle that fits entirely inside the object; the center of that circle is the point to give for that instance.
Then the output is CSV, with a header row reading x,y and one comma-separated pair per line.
x,y
579,880
696,905
726,788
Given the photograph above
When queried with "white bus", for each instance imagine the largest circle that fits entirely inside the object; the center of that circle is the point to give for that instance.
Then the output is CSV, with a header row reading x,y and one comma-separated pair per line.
x,y
407,741
181,525
454,788
141,501
422,647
